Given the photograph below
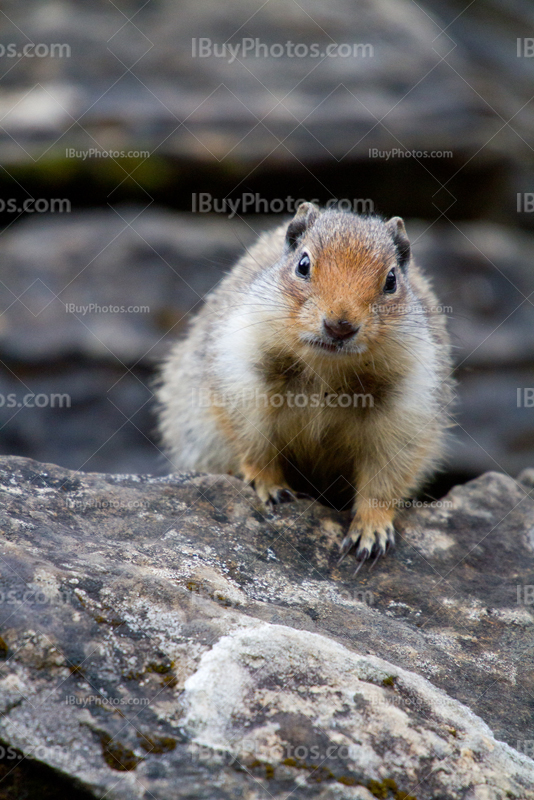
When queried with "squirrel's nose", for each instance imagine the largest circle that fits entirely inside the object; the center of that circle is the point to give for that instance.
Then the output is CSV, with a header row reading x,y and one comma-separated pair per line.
x,y
339,329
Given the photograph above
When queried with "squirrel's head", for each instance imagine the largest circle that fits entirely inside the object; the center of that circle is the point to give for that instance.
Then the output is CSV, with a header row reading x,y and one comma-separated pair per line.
x,y
344,277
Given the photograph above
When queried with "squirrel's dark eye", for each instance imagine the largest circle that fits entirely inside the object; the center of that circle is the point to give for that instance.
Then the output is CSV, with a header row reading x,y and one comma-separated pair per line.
x,y
303,267
391,282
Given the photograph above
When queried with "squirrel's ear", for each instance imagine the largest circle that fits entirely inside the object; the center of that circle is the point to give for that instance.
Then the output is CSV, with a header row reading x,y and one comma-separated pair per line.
x,y
397,230
305,217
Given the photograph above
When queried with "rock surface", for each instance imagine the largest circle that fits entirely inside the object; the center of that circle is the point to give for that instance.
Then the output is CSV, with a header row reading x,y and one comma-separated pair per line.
x,y
68,278
168,638
131,79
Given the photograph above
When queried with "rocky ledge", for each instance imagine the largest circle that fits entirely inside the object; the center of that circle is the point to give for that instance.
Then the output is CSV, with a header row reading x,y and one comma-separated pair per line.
x,y
168,638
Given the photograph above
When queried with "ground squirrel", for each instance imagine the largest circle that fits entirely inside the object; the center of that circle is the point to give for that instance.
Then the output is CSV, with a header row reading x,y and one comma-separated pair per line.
x,y
318,365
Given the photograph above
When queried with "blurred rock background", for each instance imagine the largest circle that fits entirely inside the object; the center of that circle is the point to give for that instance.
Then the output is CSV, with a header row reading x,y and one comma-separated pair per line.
x,y
99,75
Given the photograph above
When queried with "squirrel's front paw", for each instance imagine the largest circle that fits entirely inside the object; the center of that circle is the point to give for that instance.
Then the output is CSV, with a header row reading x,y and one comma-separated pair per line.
x,y
273,495
268,483
371,538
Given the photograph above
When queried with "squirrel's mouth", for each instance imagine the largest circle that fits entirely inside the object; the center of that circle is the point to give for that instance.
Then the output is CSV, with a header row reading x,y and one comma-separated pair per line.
x,y
330,347
337,348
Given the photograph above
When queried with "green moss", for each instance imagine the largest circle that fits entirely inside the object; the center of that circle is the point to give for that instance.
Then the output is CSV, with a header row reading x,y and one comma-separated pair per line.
x,y
268,769
158,668
193,586
221,600
389,681
134,676
161,669
117,756
151,173
157,744
386,789
57,170
383,790
346,780
378,790
114,622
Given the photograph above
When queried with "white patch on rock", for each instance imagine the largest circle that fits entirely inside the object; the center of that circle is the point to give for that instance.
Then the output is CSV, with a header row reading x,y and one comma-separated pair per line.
x,y
429,541
387,722
22,523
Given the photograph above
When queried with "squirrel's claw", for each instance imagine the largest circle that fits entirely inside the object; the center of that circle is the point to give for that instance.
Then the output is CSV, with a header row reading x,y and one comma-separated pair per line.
x,y
369,542
271,493
377,552
286,496
277,495
358,568
283,496
346,546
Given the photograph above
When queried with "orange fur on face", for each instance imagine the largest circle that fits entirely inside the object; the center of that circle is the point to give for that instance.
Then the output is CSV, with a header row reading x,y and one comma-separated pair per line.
x,y
346,283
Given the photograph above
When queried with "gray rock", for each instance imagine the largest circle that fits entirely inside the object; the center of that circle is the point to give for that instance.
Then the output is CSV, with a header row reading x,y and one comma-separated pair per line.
x,y
483,273
168,638
109,285
131,79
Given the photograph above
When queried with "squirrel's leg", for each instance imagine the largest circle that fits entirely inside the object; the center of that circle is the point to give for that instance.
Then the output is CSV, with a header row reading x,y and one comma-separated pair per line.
x,y
260,463
379,489
371,529
268,480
